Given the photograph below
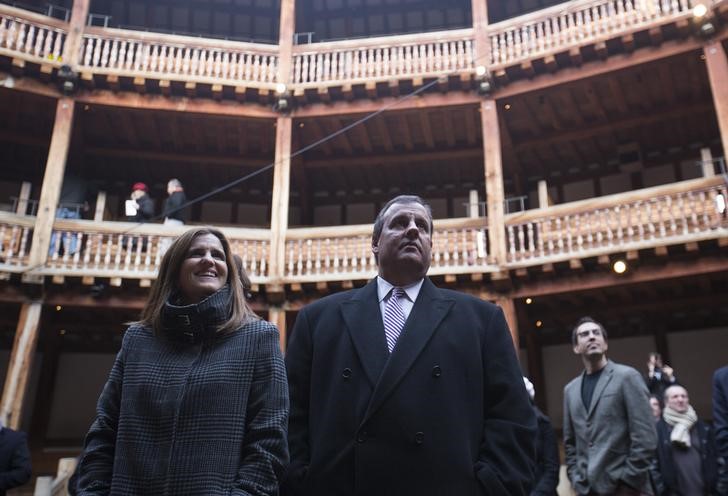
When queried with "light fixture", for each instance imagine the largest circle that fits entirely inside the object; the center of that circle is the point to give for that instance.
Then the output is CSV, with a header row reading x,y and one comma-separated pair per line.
x,y
484,87
619,267
700,10
281,88
507,106
539,323
59,308
62,332
481,71
529,301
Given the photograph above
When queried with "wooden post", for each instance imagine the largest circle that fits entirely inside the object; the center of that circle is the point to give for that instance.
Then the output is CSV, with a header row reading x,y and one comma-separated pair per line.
x,y
277,316
77,23
21,362
22,207
717,63
707,162
100,206
474,204
493,179
480,29
543,194
509,309
285,40
52,181
279,208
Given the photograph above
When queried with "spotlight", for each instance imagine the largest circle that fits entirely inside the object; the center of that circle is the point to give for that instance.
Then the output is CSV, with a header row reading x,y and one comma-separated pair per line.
x,y
484,87
539,323
529,301
707,29
481,71
282,104
281,88
59,308
68,78
619,267
700,10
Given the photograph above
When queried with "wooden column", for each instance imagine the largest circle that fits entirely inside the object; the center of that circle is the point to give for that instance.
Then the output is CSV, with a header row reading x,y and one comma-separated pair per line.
x,y
717,63
535,367
474,204
22,207
706,157
509,309
77,23
279,207
285,40
52,182
493,179
543,194
100,206
480,29
21,362
277,316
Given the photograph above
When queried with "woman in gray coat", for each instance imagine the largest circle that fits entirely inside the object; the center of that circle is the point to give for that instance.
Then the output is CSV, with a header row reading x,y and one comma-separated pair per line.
x,y
197,401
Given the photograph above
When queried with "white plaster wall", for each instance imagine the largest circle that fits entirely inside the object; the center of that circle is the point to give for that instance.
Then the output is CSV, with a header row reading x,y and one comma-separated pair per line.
x,y
79,381
695,355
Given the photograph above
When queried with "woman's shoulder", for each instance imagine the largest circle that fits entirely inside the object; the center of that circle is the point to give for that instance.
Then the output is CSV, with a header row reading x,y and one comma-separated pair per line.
x,y
258,326
137,332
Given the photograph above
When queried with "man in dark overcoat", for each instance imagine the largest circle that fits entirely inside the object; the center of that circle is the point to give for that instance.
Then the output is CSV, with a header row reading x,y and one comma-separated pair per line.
x,y
401,388
15,467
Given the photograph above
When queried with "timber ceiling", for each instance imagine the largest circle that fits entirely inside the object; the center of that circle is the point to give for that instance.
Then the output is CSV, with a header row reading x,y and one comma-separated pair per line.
x,y
661,113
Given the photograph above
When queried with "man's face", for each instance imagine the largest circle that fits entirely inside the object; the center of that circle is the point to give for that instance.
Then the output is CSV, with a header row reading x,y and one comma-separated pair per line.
x,y
590,340
405,245
676,397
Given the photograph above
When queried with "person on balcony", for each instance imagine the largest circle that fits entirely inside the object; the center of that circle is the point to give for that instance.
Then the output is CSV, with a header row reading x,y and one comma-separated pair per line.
x,y
139,206
197,399
402,388
659,376
174,214
72,203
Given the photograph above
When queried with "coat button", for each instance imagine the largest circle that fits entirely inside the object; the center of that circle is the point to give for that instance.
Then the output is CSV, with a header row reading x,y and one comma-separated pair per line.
x,y
436,371
419,437
361,437
591,445
346,374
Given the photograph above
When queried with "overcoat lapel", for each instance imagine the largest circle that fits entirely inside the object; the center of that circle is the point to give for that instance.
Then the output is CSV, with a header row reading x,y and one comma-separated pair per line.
x,y
427,313
599,389
364,321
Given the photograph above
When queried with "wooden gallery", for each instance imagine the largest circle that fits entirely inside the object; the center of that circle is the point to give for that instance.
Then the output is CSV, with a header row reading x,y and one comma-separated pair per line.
x,y
573,154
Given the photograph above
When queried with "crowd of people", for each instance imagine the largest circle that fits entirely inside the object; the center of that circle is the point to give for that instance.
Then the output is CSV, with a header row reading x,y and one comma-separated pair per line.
x,y
395,388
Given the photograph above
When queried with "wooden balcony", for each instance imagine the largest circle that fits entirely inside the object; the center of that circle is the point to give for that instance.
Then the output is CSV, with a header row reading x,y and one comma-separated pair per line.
x,y
108,54
681,213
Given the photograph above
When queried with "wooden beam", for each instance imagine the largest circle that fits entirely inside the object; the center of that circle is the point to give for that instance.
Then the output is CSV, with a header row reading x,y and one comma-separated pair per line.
x,y
644,274
285,40
717,64
509,310
493,179
74,39
22,207
21,363
52,180
280,200
277,316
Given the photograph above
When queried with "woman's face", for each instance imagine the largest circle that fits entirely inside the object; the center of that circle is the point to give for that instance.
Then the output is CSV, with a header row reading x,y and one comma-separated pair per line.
x,y
656,410
204,270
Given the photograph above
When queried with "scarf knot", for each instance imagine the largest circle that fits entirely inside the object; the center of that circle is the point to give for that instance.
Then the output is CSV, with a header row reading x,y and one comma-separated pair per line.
x,y
681,424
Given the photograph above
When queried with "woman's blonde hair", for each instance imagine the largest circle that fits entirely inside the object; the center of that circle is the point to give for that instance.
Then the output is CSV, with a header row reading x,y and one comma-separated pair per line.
x,y
167,283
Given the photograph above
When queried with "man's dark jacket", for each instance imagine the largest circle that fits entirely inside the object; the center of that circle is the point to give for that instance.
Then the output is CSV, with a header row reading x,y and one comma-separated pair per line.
x,y
665,477
547,457
14,459
445,414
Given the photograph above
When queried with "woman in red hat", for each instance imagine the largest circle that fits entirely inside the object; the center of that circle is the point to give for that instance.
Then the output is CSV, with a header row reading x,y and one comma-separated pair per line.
x,y
139,206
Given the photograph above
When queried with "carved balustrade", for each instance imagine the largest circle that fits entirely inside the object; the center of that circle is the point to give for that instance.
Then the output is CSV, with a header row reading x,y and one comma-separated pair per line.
x,y
16,232
345,253
383,59
30,36
563,26
179,58
677,213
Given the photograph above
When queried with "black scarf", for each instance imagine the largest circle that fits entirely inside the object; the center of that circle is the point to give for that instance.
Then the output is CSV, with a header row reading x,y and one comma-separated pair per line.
x,y
193,324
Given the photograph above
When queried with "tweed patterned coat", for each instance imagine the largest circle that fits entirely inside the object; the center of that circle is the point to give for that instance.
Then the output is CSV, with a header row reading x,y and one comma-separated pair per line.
x,y
176,418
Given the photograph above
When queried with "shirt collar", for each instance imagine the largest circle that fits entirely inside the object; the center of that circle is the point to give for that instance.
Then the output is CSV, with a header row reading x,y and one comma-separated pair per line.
x,y
384,287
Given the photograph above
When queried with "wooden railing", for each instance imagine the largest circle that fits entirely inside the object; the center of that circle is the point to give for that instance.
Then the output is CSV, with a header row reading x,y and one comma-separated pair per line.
x,y
180,58
345,252
58,485
31,36
385,58
677,213
191,59
563,26
16,232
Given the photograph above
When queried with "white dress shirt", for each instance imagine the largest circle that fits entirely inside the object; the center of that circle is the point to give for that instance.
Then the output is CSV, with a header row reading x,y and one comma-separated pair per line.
x,y
384,290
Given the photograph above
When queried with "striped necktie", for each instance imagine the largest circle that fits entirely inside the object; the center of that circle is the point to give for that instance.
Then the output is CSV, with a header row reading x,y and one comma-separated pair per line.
x,y
394,318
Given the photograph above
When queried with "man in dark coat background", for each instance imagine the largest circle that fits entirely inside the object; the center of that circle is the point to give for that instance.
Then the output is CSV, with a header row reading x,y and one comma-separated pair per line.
x,y
14,459
402,388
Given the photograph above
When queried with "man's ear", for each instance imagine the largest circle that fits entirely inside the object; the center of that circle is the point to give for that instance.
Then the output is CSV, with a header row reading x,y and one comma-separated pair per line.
x,y
375,247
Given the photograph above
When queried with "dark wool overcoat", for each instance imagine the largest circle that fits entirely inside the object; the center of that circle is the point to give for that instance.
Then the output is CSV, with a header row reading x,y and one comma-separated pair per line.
x,y
204,418
445,415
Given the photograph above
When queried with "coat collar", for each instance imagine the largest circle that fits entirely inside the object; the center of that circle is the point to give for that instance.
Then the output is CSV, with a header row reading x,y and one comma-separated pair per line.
x,y
427,313
604,379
